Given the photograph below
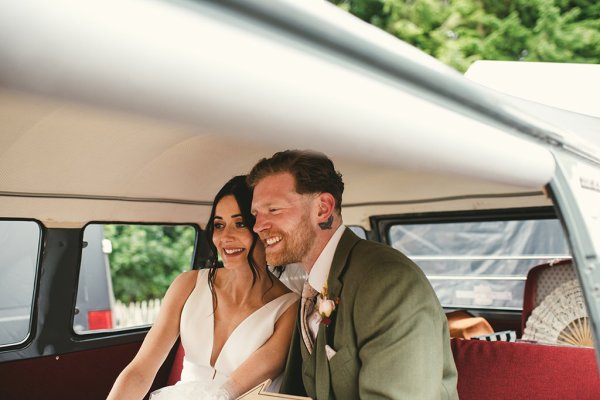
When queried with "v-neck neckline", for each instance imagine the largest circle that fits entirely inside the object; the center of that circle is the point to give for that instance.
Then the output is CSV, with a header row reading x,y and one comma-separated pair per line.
x,y
233,332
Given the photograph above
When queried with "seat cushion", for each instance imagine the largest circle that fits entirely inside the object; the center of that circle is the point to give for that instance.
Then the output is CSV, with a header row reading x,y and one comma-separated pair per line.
x,y
504,370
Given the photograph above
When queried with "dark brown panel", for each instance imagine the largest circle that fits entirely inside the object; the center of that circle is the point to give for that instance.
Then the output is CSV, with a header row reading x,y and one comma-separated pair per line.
x,y
80,375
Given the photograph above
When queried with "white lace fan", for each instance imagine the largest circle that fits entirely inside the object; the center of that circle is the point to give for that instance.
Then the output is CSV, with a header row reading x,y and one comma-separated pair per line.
x,y
561,318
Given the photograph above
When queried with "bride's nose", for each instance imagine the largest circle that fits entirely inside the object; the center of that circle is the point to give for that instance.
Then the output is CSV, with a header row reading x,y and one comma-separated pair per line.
x,y
229,233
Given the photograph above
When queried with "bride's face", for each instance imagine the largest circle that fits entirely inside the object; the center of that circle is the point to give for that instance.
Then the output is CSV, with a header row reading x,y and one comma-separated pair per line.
x,y
231,237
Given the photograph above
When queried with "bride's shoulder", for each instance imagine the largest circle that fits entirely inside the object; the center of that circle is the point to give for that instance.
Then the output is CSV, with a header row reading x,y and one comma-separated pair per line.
x,y
180,289
188,276
279,288
186,281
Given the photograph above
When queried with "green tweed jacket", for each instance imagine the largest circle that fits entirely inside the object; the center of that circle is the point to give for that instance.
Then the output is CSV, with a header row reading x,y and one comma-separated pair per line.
x,y
389,332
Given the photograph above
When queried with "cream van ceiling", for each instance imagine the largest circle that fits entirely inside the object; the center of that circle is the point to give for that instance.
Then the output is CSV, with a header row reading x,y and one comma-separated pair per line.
x,y
212,90
107,165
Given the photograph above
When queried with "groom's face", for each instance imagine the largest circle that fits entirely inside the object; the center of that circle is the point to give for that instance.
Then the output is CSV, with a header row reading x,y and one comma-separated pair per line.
x,y
283,219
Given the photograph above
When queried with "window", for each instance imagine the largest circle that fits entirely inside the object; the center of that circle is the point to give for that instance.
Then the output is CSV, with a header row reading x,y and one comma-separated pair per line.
x,y
358,230
20,244
480,264
125,272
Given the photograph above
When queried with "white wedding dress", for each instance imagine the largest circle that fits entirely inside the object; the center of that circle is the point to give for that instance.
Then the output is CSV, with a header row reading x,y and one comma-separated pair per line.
x,y
197,329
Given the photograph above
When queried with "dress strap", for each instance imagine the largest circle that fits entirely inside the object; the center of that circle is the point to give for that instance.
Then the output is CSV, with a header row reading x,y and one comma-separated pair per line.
x,y
202,276
284,302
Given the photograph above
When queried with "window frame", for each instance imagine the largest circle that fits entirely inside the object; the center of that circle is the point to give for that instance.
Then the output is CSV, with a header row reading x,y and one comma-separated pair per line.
x,y
382,225
197,256
33,313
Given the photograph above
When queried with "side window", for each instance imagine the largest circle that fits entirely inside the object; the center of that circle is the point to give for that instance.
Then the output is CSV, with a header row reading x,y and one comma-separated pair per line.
x,y
19,256
125,272
359,231
480,264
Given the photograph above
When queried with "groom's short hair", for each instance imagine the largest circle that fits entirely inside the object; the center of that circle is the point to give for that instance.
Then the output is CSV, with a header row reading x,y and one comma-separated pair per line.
x,y
313,172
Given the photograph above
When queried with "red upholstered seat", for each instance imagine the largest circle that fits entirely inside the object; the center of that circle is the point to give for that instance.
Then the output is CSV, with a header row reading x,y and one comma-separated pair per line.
x,y
505,370
175,374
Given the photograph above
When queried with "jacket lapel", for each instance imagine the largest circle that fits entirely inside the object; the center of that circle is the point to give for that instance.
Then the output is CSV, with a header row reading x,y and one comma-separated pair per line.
x,y
322,378
293,382
338,265
317,364
326,333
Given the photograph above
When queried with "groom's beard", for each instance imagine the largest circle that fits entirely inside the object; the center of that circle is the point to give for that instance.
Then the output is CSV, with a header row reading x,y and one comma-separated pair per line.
x,y
294,245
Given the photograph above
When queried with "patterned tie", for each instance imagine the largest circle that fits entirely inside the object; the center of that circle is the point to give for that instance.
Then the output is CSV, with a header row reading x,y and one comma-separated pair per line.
x,y
306,308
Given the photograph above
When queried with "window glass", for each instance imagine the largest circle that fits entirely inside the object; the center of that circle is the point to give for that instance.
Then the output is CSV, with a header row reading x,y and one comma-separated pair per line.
x,y
20,244
359,231
125,272
480,264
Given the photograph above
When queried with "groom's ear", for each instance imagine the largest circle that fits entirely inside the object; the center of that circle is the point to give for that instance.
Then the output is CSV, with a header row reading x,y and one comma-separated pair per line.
x,y
326,203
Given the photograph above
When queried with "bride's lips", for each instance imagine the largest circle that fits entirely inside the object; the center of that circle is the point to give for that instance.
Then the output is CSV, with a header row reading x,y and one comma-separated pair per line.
x,y
232,252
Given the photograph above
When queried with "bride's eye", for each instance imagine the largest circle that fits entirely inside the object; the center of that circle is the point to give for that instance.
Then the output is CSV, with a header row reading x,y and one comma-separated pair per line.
x,y
219,226
240,224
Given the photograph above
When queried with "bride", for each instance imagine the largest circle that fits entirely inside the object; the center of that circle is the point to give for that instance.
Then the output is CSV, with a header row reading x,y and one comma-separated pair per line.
x,y
235,322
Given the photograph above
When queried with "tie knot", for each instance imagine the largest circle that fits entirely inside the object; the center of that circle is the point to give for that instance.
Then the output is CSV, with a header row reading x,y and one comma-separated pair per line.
x,y
308,292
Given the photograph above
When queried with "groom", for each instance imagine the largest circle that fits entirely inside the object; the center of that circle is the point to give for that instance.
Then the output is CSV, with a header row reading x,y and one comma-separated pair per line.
x,y
381,332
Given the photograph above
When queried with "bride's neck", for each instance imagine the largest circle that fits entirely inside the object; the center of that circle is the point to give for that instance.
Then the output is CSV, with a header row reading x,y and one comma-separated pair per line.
x,y
238,284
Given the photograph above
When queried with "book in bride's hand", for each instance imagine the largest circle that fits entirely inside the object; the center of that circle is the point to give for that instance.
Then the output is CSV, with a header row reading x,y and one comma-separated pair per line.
x,y
259,392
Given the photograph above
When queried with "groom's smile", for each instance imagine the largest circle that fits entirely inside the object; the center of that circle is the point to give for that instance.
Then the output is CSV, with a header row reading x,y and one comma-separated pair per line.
x,y
272,240
275,248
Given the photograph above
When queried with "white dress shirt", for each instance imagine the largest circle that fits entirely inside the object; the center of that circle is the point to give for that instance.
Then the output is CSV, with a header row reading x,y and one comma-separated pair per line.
x,y
319,273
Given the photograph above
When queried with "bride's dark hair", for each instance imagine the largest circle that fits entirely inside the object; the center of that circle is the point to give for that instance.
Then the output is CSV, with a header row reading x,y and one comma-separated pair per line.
x,y
239,189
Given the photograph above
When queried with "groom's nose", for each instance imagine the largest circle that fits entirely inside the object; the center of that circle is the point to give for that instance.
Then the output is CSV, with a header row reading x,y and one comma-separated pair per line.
x,y
261,222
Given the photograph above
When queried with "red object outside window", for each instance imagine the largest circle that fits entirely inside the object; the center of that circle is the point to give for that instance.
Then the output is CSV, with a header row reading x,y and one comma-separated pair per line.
x,y
99,319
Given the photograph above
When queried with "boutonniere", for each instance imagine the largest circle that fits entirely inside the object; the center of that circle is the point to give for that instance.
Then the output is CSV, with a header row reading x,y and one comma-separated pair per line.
x,y
327,306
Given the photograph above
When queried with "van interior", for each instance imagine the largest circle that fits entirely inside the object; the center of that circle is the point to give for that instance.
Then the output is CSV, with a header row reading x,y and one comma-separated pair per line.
x,y
103,122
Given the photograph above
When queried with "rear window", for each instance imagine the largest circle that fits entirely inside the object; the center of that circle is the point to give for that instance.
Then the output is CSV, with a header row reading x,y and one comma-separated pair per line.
x,y
20,244
480,264
125,272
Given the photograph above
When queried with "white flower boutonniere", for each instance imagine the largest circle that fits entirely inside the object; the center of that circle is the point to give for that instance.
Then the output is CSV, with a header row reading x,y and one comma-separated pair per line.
x,y
327,306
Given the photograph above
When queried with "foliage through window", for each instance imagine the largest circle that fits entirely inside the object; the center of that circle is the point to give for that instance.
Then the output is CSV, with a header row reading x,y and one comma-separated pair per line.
x,y
126,270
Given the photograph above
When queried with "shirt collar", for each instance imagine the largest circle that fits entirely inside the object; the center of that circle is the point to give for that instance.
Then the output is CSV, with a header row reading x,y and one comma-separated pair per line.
x,y
320,270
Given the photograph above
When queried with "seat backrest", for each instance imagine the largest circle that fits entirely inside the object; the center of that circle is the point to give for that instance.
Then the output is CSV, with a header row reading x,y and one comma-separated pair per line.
x,y
541,281
508,370
177,366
